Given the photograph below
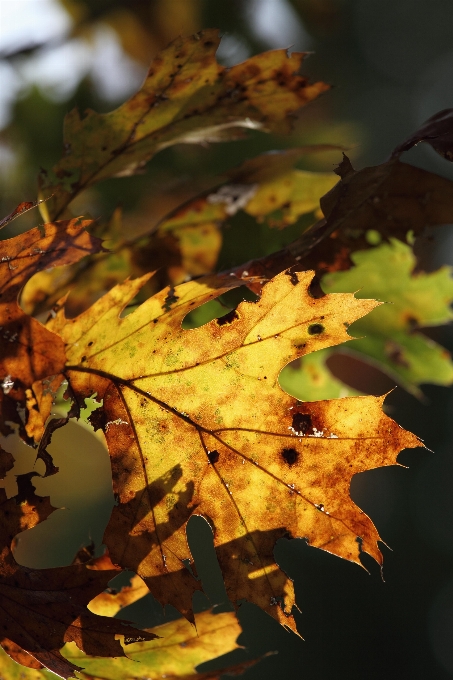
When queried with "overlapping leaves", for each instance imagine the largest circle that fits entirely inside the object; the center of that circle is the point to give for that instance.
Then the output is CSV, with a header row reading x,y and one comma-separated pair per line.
x,y
187,98
195,420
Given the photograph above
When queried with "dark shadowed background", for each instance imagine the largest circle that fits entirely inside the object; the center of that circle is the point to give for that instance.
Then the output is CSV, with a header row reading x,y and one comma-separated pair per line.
x,y
391,65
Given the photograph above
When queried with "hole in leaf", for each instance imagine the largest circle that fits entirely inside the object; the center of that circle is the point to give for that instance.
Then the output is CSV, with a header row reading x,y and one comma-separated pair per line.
x,y
213,456
228,318
314,289
301,423
290,456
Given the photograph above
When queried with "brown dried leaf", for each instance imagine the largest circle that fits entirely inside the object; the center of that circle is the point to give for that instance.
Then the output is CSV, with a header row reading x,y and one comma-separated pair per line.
x,y
388,200
42,609
29,352
22,208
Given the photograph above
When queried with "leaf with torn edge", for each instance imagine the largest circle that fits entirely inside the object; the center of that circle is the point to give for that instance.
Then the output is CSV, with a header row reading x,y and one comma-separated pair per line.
x,y
187,242
391,200
42,609
188,98
196,421
29,352
175,653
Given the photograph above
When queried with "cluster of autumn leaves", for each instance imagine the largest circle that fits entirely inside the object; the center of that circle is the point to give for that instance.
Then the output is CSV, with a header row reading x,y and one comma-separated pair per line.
x,y
195,418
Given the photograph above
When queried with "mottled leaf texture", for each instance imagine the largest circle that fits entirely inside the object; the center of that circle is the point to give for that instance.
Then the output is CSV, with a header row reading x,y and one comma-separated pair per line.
x,y
437,131
390,336
188,98
179,648
392,199
29,352
188,240
266,187
40,610
196,421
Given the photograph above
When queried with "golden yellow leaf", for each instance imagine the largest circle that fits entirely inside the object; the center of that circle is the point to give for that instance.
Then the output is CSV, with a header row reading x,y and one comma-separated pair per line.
x,y
196,421
109,604
188,98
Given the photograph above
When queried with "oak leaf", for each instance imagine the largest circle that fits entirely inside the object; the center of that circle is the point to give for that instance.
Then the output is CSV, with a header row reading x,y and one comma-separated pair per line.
x,y
195,421
19,210
391,338
187,241
40,610
29,352
188,98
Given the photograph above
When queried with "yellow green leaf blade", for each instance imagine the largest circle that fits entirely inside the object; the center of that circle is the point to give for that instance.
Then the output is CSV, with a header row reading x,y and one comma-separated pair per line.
x,y
263,187
187,97
389,335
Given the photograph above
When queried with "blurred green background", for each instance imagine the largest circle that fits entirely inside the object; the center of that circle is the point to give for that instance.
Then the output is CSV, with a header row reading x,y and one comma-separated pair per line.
x,y
391,66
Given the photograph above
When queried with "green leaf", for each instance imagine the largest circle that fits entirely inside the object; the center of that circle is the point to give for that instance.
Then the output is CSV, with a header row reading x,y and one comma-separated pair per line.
x,y
390,334
309,379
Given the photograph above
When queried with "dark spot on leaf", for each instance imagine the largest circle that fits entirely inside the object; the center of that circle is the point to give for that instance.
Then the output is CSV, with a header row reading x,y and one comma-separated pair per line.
x,y
213,456
208,43
84,358
90,343
395,354
292,277
315,329
97,419
301,423
228,318
290,456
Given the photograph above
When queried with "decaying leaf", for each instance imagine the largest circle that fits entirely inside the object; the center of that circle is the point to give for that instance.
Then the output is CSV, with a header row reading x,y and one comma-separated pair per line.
x,y
391,200
29,352
109,604
187,242
195,421
267,187
188,98
390,336
42,609
178,649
